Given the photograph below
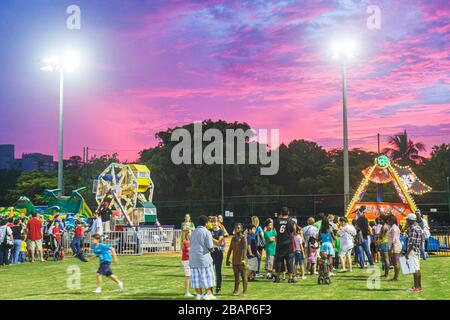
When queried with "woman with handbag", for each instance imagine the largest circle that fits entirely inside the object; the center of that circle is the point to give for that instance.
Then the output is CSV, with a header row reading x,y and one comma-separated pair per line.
x,y
6,242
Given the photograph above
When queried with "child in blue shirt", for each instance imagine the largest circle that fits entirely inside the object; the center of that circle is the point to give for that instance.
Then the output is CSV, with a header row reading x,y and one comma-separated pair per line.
x,y
105,254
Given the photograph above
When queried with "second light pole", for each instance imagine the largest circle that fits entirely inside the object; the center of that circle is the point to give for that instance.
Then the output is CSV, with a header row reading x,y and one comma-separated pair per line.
x,y
53,64
344,51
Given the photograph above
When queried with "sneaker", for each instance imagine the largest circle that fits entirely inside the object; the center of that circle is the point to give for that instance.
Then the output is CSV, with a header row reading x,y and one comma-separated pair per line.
x,y
292,280
209,297
304,278
98,290
199,297
235,294
332,274
276,279
188,294
218,292
120,284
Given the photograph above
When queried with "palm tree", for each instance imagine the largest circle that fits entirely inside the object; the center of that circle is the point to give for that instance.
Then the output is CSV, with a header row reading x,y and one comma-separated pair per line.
x,y
404,150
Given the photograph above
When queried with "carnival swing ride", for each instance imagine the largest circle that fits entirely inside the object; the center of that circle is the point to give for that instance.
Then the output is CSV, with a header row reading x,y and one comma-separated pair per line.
x,y
385,171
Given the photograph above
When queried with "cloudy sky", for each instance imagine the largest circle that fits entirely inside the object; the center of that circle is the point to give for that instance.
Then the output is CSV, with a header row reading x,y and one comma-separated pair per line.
x,y
151,65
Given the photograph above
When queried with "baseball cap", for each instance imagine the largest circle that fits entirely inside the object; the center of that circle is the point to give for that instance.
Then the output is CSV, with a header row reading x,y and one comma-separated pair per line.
x,y
411,217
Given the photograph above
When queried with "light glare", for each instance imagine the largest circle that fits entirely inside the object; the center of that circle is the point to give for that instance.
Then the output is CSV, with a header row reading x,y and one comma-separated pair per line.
x,y
70,63
343,49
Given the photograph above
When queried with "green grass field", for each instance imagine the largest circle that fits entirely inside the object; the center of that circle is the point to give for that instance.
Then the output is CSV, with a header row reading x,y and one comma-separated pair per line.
x,y
161,277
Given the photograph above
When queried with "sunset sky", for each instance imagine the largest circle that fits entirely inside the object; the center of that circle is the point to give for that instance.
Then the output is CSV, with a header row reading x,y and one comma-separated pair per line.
x,y
151,65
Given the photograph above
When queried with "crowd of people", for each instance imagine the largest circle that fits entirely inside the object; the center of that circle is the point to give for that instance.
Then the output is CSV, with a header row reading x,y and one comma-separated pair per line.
x,y
326,245
28,239
23,239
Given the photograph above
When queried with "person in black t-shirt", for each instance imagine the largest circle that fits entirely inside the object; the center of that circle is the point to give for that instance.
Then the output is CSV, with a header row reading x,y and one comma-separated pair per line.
x,y
17,235
284,255
217,253
106,213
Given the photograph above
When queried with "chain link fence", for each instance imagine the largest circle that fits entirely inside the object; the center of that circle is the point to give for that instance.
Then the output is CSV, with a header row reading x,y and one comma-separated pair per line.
x,y
132,242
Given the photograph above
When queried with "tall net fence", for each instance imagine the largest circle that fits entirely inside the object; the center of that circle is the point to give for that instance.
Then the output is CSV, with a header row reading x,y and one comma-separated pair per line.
x,y
435,204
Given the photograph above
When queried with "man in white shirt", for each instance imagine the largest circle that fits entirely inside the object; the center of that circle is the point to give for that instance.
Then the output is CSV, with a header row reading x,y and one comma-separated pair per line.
x,y
423,224
346,233
97,226
5,232
310,232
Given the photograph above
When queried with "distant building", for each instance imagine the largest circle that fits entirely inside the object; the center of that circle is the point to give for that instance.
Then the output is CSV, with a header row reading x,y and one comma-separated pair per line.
x,y
7,160
28,162
37,161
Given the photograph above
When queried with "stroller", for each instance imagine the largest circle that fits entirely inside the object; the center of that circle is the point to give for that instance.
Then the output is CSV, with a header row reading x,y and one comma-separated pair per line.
x,y
52,248
324,269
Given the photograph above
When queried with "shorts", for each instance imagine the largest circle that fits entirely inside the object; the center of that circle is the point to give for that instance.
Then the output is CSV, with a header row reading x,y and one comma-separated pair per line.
x,y
384,247
312,259
416,258
253,264
269,263
32,244
328,248
397,248
202,277
345,253
105,269
298,258
281,259
187,269
106,226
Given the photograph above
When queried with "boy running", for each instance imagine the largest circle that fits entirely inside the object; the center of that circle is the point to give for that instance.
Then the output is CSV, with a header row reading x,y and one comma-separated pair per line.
x,y
104,252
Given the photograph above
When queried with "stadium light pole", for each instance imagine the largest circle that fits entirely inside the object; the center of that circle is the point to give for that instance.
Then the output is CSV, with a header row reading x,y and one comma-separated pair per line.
x,y
54,64
343,51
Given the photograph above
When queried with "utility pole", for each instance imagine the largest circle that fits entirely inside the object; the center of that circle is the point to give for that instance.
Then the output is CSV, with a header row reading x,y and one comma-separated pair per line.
x,y
378,139
222,162
448,198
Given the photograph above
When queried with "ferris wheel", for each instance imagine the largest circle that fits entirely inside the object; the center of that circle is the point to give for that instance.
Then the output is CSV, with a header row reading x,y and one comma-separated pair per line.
x,y
118,186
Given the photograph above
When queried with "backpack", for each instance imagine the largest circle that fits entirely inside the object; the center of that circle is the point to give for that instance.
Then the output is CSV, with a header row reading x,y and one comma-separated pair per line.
x,y
260,241
7,242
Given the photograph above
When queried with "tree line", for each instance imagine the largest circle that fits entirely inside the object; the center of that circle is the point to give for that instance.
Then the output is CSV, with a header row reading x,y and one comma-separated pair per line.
x,y
305,168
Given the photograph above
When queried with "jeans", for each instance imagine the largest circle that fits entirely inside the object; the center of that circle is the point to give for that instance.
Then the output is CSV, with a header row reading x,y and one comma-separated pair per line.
x,y
423,253
364,248
4,253
217,256
260,250
22,256
15,251
75,245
